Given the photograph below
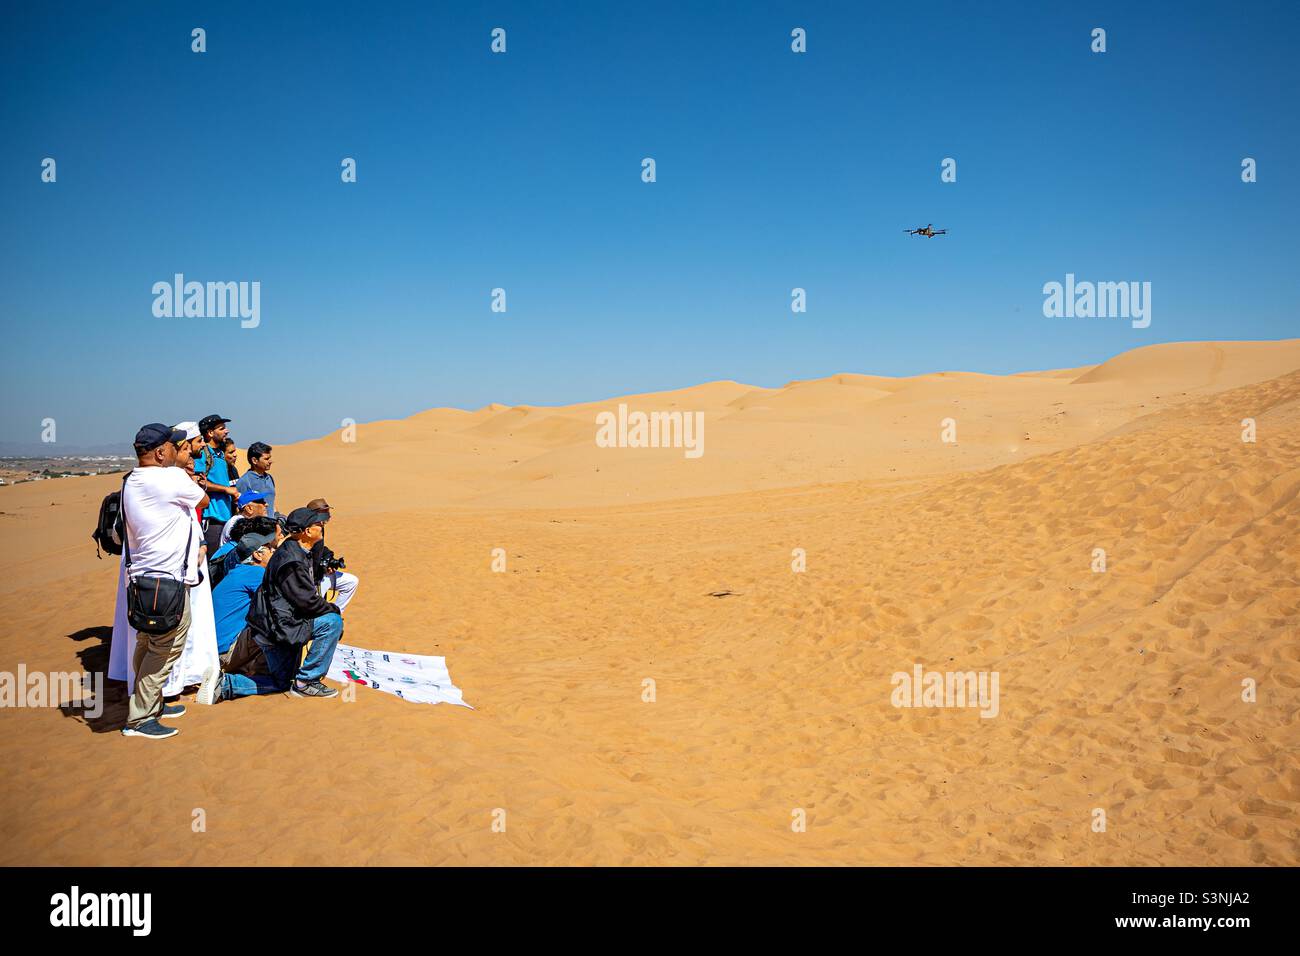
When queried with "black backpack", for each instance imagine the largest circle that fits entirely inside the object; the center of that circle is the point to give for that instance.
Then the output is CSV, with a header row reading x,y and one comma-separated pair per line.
x,y
110,532
216,570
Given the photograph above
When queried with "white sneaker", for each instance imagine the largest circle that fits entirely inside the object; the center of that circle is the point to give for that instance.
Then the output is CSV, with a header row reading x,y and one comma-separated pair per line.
x,y
210,686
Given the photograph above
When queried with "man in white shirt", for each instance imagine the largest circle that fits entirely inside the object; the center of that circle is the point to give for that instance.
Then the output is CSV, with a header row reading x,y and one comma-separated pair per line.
x,y
158,508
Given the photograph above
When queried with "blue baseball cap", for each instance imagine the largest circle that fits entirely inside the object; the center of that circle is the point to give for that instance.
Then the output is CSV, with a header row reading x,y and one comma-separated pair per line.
x,y
248,497
154,434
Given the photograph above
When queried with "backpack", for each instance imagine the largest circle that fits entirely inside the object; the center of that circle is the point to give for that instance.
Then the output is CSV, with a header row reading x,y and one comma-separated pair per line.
x,y
217,569
110,532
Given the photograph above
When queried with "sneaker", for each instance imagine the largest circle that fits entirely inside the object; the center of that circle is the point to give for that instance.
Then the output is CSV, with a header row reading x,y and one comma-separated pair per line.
x,y
150,730
313,689
173,710
210,687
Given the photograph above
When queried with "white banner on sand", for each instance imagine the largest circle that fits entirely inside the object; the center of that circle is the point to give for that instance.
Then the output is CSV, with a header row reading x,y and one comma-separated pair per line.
x,y
414,677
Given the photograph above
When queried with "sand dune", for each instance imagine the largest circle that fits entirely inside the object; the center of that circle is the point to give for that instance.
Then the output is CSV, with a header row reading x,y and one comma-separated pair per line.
x,y
845,427
1198,365
1120,690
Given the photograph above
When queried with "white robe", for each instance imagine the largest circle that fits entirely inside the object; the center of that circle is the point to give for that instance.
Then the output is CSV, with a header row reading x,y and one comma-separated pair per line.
x,y
122,650
200,644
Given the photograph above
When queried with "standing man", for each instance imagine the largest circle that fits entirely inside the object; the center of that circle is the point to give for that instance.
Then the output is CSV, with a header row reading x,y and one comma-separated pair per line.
x,y
258,477
158,503
215,473
289,611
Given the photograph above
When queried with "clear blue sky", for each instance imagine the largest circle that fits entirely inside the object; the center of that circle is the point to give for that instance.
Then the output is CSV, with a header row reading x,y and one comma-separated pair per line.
x,y
522,171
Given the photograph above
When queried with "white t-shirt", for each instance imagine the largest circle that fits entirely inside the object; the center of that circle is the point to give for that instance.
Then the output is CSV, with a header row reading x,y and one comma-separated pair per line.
x,y
158,507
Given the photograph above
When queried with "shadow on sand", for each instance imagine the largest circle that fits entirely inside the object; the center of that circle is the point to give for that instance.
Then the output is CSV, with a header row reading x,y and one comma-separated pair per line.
x,y
94,660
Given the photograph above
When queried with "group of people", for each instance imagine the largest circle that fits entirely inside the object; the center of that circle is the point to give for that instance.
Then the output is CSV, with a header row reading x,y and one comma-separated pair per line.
x,y
263,595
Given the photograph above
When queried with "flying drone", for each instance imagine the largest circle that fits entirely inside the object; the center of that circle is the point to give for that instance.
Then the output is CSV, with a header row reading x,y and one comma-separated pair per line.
x,y
928,231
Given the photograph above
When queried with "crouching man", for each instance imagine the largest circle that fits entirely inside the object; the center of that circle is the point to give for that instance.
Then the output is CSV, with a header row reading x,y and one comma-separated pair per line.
x,y
286,613
243,666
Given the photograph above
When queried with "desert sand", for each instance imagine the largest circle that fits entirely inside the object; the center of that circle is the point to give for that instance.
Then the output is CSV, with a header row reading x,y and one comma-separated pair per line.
x,y
1120,690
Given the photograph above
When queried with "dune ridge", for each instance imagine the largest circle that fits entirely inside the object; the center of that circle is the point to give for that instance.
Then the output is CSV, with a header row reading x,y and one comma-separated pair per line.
x,y
839,428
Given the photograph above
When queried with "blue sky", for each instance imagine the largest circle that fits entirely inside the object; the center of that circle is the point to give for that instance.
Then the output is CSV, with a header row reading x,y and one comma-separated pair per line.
x,y
522,171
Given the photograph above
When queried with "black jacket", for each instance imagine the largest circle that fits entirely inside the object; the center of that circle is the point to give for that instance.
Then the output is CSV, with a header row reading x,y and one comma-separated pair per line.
x,y
288,600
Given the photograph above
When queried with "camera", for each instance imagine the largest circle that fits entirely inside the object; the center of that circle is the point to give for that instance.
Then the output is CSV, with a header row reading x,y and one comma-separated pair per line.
x,y
333,563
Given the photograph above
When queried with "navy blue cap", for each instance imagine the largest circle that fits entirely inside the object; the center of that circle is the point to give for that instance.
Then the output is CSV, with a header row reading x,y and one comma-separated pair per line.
x,y
151,436
301,518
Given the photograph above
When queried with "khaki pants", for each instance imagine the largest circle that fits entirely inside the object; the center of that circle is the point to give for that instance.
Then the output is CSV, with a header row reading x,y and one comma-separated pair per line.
x,y
155,654
244,657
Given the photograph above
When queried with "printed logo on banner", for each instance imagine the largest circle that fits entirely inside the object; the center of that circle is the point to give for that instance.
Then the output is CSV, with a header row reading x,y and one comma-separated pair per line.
x,y
412,677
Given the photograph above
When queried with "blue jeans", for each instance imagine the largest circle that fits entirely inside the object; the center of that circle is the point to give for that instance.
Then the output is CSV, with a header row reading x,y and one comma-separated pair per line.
x,y
326,631
241,685
282,660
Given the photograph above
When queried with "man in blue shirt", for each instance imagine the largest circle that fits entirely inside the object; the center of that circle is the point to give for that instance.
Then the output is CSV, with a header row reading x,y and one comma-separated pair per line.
x,y
231,598
211,465
258,477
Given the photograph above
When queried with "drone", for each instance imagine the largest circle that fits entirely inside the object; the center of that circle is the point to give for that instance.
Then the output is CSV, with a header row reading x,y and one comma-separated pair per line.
x,y
928,231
